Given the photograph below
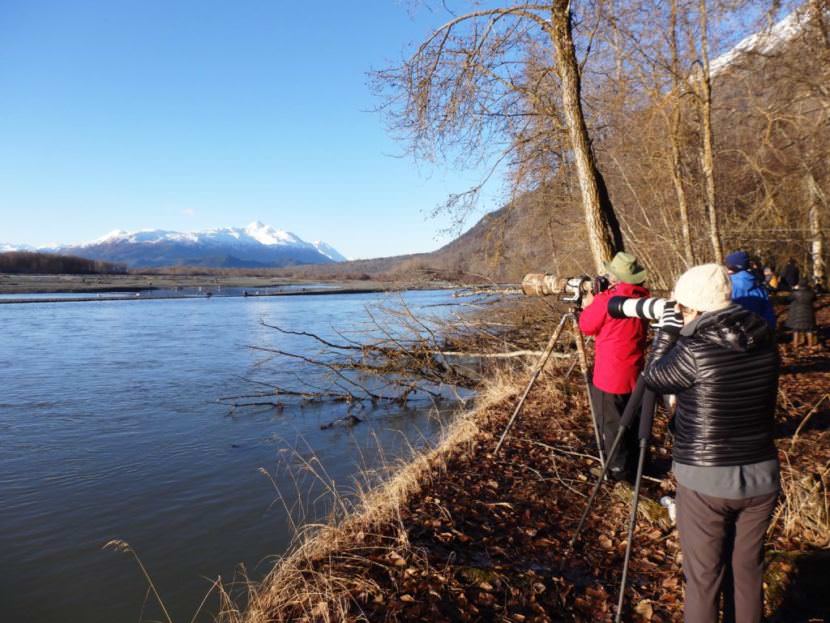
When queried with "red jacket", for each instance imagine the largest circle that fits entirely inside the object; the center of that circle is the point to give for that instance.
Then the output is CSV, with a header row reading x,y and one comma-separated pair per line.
x,y
620,343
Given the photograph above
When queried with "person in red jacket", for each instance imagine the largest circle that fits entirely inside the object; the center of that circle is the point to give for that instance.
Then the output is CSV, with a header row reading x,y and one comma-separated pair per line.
x,y
619,354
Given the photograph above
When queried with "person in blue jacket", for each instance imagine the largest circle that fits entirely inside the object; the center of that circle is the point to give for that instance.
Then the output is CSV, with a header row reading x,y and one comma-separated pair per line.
x,y
746,291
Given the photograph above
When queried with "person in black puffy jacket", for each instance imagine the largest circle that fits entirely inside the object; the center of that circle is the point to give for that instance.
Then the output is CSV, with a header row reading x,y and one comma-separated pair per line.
x,y
722,365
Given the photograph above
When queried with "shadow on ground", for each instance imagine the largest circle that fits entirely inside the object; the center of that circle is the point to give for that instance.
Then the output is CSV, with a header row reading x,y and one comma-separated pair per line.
x,y
808,596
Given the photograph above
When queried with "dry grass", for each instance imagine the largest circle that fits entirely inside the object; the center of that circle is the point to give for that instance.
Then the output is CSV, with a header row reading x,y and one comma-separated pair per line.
x,y
804,512
303,584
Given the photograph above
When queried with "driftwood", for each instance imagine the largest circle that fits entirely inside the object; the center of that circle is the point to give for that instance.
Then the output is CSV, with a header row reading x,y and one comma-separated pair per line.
x,y
397,357
509,355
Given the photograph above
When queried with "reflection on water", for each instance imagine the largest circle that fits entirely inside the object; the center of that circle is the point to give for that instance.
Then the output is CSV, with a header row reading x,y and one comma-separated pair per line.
x,y
109,429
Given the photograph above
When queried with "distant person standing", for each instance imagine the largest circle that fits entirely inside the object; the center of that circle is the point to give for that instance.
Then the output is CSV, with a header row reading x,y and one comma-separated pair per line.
x,y
790,276
801,316
746,291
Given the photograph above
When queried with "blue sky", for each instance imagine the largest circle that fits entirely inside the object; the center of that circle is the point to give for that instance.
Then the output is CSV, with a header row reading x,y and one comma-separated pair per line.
x,y
191,114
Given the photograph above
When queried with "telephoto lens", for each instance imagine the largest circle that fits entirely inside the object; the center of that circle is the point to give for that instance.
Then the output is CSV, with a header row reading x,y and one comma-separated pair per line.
x,y
543,284
645,308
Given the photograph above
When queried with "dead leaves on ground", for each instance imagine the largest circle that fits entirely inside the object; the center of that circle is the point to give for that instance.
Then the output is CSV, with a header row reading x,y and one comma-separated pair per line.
x,y
488,538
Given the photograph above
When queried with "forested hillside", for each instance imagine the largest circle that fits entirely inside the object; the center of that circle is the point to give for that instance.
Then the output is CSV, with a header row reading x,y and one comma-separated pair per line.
x,y
29,262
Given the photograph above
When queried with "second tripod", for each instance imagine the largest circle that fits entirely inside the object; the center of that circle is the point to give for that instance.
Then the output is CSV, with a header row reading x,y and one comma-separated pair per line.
x,y
640,396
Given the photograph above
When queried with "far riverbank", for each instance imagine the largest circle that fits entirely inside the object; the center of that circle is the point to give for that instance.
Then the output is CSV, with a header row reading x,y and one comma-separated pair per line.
x,y
214,283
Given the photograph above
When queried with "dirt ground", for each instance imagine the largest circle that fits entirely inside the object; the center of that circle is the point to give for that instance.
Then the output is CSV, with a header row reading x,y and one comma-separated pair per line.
x,y
487,539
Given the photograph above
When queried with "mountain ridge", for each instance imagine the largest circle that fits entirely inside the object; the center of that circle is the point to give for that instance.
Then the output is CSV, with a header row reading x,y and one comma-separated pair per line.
x,y
255,246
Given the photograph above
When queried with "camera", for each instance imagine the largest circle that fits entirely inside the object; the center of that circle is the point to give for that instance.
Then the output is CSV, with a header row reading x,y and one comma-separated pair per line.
x,y
570,289
645,308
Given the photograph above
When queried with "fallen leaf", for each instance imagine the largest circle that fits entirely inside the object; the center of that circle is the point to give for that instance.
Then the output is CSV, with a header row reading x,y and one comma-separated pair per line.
x,y
644,609
396,559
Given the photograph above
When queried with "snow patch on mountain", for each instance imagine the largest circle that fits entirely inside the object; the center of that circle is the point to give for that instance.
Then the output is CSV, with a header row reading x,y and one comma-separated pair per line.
x,y
329,251
6,247
265,234
764,42
257,233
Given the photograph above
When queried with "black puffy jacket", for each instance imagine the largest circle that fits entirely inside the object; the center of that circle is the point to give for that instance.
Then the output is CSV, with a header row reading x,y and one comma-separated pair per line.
x,y
725,376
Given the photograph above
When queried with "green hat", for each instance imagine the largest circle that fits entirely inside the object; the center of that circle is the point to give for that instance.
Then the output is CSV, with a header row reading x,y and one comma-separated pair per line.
x,y
625,267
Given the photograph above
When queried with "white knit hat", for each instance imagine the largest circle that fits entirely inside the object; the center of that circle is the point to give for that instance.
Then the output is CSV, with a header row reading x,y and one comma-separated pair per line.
x,y
704,288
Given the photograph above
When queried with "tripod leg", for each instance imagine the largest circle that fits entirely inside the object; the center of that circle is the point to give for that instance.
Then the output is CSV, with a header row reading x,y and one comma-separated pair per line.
x,y
646,421
631,524
539,366
639,394
583,364
611,454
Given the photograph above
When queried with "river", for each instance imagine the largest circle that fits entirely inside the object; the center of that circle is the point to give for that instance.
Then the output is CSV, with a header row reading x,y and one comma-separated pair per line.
x,y
110,429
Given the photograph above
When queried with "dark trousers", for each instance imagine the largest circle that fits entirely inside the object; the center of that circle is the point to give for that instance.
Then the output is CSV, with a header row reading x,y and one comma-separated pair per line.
x,y
722,543
608,409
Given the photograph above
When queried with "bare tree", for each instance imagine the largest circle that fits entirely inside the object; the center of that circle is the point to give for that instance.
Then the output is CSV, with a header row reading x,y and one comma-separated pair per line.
x,y
675,139
474,90
707,156
604,234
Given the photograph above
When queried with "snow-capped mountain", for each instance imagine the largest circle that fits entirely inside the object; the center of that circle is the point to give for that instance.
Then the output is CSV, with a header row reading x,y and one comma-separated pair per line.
x,y
257,245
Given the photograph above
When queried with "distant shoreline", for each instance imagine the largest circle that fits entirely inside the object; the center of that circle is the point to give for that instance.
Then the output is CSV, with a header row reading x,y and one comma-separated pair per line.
x,y
303,292
102,287
11,283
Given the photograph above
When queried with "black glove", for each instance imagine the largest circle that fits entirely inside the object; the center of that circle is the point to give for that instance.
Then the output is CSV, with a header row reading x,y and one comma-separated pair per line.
x,y
671,321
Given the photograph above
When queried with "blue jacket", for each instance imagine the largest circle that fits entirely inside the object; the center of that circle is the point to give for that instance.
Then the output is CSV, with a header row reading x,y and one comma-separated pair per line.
x,y
747,293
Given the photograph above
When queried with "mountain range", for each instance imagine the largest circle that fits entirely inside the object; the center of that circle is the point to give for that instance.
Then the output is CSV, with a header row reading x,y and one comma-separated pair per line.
x,y
255,246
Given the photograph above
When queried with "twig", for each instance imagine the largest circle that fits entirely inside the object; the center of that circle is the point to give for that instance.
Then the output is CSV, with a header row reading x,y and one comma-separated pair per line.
x,y
311,335
807,417
560,450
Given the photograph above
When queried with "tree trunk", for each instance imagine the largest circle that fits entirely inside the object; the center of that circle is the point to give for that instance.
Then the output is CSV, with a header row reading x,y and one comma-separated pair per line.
x,y
817,201
604,235
708,160
677,179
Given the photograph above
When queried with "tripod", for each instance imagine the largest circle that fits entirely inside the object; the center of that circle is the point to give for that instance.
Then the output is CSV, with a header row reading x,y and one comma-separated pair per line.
x,y
647,397
571,316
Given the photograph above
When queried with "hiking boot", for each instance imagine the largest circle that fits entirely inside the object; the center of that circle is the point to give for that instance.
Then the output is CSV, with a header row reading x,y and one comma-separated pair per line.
x,y
620,474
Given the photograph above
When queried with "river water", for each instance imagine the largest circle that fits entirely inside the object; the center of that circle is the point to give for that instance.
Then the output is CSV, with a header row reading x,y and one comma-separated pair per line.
x,y
110,429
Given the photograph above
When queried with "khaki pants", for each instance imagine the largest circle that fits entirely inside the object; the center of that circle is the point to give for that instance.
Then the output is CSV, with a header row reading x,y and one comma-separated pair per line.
x,y
722,542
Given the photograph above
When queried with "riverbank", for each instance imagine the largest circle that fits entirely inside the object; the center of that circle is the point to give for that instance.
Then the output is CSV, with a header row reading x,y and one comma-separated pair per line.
x,y
463,534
